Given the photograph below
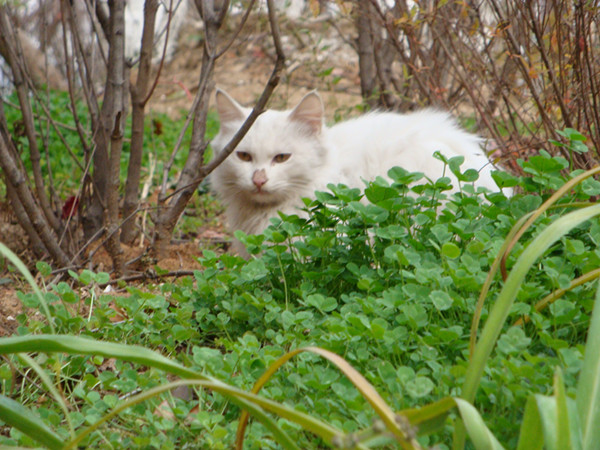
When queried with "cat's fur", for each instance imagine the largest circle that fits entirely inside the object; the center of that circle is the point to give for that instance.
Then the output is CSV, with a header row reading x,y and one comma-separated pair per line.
x,y
287,155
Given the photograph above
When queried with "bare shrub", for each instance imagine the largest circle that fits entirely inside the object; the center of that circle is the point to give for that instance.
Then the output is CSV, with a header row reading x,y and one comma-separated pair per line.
x,y
525,69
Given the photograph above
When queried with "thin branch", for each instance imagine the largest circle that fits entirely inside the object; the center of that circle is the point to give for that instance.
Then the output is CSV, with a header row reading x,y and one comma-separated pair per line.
x,y
205,78
36,244
238,30
189,179
558,95
148,275
257,110
164,50
13,54
99,19
514,48
85,69
103,15
71,78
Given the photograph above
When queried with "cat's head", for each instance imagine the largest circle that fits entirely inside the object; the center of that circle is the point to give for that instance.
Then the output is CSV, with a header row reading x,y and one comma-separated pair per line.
x,y
277,159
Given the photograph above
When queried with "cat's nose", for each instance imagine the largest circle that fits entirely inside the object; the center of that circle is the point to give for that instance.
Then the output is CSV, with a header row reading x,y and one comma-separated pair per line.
x,y
259,178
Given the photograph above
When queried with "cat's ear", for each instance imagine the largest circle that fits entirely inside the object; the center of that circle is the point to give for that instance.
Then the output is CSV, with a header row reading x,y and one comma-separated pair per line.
x,y
309,112
229,110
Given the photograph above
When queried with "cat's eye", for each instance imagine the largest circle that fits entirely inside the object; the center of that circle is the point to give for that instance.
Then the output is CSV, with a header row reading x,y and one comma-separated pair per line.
x,y
282,157
244,156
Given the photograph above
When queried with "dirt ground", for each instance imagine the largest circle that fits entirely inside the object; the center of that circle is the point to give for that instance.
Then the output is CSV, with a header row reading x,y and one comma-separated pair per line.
x,y
317,58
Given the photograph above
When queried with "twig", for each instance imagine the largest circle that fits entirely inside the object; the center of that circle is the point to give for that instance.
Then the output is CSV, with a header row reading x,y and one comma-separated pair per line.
x,y
14,55
238,30
148,275
145,191
71,81
257,110
195,170
262,100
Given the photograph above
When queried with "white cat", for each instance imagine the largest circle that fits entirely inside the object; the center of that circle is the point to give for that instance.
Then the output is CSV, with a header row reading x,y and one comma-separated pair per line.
x,y
287,155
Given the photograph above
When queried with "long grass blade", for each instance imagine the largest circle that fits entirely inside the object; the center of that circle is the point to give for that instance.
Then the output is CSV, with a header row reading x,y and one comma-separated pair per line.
x,y
500,309
480,435
367,390
14,259
243,422
488,282
86,346
574,424
546,407
16,415
588,387
431,417
585,278
547,204
563,429
551,422
531,435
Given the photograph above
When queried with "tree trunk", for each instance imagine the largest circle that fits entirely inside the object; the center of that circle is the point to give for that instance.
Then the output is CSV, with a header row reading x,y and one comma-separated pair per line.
x,y
113,115
366,53
139,97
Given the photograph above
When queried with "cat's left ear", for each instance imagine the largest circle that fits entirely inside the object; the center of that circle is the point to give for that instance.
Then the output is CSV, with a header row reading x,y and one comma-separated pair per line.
x,y
309,112
229,110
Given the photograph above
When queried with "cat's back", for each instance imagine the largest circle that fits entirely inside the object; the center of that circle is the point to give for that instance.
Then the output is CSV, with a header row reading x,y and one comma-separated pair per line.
x,y
381,129
369,145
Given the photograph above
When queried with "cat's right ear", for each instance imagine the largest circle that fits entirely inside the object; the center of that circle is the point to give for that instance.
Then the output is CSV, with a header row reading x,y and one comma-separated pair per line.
x,y
229,110
309,112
